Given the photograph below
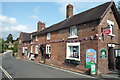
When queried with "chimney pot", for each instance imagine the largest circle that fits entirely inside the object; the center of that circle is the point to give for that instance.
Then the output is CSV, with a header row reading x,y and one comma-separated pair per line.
x,y
40,26
69,11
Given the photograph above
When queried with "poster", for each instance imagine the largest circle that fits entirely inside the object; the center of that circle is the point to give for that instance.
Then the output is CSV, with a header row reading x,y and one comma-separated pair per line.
x,y
103,53
90,58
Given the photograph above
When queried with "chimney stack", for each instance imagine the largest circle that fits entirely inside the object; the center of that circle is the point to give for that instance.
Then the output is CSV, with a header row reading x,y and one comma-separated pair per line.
x,y
69,11
40,26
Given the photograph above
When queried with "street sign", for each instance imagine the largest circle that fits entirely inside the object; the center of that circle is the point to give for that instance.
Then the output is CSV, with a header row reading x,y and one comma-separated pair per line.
x,y
93,69
107,31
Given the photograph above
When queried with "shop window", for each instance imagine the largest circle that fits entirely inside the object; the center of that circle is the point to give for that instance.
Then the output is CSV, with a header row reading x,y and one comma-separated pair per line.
x,y
48,36
73,32
117,52
111,27
48,49
73,51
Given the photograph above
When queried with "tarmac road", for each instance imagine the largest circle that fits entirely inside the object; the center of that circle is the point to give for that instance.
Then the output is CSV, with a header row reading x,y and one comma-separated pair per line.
x,y
25,69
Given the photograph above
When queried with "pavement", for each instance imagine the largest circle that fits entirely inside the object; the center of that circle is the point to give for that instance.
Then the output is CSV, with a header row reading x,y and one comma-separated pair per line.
x,y
112,74
28,69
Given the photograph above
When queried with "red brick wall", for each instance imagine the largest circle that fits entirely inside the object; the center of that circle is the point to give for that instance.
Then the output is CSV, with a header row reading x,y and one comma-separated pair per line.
x,y
58,53
103,63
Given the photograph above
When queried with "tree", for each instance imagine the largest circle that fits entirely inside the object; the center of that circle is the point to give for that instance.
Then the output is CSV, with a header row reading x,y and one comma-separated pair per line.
x,y
9,38
1,45
118,7
15,48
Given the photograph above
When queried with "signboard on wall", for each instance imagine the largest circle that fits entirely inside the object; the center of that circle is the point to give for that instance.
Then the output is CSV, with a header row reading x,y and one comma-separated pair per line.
x,y
90,58
107,31
103,53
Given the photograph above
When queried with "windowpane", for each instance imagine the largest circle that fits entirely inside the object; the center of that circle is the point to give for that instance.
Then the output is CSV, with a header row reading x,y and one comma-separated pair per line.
x,y
74,52
48,36
73,31
48,49
117,53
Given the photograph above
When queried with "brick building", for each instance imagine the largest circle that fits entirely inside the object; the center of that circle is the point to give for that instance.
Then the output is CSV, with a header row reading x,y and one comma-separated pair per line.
x,y
81,40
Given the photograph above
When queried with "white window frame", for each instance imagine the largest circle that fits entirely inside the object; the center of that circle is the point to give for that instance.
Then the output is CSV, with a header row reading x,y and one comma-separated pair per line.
x,y
111,27
31,36
36,50
48,36
31,49
36,38
73,32
47,49
68,51
117,52
23,50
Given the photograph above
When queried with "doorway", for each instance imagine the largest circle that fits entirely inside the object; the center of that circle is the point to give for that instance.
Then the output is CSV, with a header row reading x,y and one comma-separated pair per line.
x,y
111,61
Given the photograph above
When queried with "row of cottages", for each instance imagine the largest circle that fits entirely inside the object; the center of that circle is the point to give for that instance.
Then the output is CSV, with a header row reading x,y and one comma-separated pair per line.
x,y
80,41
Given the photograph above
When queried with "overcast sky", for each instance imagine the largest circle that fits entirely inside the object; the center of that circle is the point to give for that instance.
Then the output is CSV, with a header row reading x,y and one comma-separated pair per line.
x,y
23,15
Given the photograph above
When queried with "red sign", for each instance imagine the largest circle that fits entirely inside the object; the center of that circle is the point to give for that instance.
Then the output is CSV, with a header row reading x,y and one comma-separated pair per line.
x,y
107,31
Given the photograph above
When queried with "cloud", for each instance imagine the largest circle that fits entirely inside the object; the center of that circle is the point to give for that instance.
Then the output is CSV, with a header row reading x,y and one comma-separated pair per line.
x,y
35,18
7,20
10,25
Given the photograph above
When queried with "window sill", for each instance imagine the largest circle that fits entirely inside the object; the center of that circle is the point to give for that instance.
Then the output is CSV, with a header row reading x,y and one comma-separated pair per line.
x,y
73,37
48,39
111,35
48,53
73,58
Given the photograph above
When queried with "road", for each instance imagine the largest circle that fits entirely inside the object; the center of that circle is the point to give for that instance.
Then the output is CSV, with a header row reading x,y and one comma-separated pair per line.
x,y
26,69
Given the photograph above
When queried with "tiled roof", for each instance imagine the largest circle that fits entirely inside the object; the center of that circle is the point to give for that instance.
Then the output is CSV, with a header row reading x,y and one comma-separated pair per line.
x,y
86,16
25,36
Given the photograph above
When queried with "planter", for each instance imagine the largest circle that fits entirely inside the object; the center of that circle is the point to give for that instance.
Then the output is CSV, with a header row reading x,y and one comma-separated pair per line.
x,y
72,61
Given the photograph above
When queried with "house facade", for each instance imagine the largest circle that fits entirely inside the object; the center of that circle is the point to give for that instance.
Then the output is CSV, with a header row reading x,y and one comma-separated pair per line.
x,y
82,42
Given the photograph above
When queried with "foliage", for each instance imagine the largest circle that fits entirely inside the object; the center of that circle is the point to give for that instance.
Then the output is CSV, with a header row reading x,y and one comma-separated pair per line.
x,y
118,7
1,45
9,38
5,46
15,48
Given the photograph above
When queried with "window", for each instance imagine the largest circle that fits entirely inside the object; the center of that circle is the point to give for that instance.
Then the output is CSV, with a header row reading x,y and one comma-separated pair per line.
x,y
23,50
111,27
117,52
36,50
73,51
48,49
48,36
31,36
32,49
36,38
73,32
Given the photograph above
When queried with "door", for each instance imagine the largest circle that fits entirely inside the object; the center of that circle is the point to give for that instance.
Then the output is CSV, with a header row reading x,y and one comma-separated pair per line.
x,y
111,61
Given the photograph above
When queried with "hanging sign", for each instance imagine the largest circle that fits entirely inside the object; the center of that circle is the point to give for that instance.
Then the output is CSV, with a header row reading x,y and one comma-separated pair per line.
x,y
107,31
90,58
103,53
